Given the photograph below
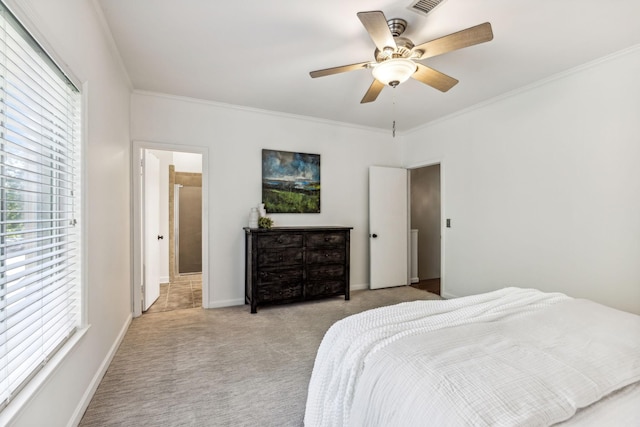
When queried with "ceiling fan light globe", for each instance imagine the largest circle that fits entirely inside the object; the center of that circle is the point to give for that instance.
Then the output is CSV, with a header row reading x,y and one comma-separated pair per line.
x,y
394,71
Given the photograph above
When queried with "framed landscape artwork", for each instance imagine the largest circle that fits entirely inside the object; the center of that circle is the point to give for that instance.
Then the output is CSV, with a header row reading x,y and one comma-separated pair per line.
x,y
290,182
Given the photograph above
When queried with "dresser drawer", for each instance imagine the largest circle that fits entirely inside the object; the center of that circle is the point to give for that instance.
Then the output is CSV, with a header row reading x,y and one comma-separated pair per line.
x,y
280,276
325,239
322,272
290,256
280,292
318,256
280,240
327,287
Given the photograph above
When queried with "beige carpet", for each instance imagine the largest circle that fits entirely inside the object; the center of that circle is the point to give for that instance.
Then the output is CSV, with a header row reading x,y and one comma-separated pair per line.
x,y
223,367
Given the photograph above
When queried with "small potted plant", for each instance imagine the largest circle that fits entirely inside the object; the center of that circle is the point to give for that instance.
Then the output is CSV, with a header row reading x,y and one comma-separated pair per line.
x,y
265,222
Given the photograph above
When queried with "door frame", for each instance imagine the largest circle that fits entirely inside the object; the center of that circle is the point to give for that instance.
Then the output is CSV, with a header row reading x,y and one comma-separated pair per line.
x,y
137,221
176,230
443,220
177,190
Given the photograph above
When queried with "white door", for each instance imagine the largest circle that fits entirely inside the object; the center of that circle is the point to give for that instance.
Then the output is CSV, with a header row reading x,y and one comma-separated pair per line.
x,y
388,227
151,219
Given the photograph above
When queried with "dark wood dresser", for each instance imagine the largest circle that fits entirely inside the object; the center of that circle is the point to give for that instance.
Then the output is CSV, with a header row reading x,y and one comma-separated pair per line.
x,y
288,264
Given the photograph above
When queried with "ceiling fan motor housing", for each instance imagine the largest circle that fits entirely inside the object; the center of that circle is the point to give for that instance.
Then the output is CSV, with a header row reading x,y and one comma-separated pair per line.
x,y
403,49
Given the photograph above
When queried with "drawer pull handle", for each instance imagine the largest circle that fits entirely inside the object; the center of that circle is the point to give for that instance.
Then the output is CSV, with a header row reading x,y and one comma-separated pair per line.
x,y
326,255
279,240
281,258
326,239
280,276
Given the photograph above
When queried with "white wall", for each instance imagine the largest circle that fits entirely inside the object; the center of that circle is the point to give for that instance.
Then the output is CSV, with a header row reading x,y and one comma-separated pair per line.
x,y
543,186
73,31
235,138
188,162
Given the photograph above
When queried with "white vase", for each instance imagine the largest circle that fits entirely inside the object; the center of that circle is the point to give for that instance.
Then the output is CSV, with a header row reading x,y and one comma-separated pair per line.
x,y
254,215
262,210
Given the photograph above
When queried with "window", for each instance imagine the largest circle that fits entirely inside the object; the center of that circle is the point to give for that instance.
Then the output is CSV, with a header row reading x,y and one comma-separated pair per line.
x,y
40,257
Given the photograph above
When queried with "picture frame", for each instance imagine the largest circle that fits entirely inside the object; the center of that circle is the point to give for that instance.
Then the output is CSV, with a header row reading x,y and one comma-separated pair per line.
x,y
290,182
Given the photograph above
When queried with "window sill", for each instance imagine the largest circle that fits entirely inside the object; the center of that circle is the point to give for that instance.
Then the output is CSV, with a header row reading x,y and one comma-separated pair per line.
x,y
22,399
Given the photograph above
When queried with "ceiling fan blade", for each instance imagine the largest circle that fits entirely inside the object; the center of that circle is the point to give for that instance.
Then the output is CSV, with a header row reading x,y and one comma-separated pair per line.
x,y
373,92
434,78
376,25
465,38
337,70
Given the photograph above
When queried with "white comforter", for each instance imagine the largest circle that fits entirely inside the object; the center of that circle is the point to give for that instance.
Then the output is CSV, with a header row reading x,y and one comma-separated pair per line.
x,y
509,357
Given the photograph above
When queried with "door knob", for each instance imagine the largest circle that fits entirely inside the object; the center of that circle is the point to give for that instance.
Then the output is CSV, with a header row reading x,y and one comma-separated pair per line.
x,y
373,235
160,237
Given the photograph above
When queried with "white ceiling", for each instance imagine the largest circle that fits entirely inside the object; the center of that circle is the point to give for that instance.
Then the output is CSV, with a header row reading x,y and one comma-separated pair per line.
x,y
258,53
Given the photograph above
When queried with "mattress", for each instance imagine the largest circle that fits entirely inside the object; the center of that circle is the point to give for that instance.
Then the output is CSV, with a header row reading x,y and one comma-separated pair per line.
x,y
509,357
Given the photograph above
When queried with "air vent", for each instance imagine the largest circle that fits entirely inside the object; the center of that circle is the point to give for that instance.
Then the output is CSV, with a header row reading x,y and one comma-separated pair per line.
x,y
425,6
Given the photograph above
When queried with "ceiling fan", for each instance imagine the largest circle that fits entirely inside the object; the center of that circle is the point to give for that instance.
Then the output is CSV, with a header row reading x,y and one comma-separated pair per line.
x,y
396,56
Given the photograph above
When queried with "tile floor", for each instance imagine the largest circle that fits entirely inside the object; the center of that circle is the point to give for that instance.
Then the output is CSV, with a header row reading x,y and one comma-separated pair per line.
x,y
184,292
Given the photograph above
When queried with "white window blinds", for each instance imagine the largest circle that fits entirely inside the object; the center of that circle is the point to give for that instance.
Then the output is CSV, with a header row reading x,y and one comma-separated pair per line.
x,y
40,202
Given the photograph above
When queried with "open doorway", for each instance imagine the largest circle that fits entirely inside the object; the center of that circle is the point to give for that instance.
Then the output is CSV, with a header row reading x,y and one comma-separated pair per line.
x,y
181,221
425,224
176,287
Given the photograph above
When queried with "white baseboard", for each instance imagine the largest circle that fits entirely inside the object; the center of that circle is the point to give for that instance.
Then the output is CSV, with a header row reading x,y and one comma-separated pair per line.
x,y
415,280
95,382
447,295
164,279
234,302
225,303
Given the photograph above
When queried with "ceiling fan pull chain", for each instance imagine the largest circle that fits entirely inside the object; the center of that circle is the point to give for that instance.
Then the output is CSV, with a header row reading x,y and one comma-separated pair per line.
x,y
393,100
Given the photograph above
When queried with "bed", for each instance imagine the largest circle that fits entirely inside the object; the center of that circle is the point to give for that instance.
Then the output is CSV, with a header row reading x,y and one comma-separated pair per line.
x,y
512,357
